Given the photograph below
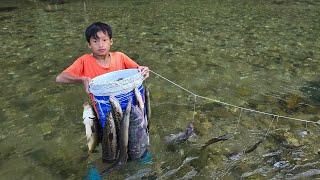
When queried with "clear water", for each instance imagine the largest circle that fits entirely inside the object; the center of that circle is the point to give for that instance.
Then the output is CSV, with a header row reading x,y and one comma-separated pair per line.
x,y
262,55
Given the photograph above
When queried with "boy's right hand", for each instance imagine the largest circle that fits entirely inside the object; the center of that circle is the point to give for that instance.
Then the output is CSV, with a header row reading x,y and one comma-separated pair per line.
x,y
85,82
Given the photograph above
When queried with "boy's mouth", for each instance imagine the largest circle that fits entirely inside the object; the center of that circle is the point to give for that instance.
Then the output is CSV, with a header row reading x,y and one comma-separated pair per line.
x,y
102,50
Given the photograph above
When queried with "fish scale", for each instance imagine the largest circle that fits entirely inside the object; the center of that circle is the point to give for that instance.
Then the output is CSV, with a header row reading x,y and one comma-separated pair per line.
x,y
109,140
123,141
117,114
90,126
138,135
148,106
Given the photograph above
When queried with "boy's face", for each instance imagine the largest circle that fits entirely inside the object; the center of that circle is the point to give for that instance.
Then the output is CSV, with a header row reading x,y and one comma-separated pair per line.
x,y
100,46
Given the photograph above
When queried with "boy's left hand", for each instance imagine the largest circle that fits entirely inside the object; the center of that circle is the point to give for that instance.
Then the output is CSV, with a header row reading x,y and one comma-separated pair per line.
x,y
144,70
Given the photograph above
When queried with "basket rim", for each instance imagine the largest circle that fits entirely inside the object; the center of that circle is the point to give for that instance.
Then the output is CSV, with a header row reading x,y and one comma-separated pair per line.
x,y
111,74
99,86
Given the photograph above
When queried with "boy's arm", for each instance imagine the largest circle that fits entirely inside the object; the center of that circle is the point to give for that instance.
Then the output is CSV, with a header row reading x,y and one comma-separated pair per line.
x,y
65,77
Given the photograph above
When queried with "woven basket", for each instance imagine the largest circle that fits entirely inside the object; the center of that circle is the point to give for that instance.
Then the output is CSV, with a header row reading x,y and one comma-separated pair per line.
x,y
116,83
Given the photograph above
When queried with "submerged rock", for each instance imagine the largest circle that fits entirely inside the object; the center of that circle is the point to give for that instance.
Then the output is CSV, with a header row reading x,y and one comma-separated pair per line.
x,y
304,133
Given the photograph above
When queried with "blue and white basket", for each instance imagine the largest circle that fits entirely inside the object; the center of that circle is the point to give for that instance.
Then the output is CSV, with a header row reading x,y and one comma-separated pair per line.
x,y
119,84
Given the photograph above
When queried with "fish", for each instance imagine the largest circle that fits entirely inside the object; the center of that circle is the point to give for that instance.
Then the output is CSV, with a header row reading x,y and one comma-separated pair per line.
x,y
309,174
141,174
190,175
170,173
180,137
90,127
117,114
115,107
236,156
252,148
123,135
138,134
139,98
217,139
148,105
109,140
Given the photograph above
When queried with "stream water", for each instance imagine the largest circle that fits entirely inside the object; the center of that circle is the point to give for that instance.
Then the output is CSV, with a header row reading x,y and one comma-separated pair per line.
x,y
262,55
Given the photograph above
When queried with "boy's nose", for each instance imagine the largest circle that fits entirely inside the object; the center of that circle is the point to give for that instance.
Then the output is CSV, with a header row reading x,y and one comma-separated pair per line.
x,y
101,43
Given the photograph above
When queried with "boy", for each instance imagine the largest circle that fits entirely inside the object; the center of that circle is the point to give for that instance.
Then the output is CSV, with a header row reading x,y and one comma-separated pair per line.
x,y
101,61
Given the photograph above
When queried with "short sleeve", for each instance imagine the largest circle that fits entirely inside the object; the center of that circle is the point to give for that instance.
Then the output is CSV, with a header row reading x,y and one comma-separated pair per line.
x,y
75,69
128,63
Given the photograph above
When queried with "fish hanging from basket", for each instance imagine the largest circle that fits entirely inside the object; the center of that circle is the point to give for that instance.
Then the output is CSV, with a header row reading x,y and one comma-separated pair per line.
x,y
125,133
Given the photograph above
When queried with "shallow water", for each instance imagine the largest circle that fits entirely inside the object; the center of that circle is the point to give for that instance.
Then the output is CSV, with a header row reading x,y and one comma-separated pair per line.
x,y
262,55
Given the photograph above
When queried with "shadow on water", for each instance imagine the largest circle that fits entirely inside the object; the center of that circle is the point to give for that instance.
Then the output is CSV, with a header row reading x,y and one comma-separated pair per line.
x,y
312,90
8,9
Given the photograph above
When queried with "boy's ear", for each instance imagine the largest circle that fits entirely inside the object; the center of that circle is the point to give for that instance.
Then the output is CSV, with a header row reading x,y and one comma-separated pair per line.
x,y
89,46
111,41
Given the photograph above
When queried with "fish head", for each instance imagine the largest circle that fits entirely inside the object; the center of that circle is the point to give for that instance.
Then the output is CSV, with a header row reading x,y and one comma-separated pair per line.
x,y
115,105
87,111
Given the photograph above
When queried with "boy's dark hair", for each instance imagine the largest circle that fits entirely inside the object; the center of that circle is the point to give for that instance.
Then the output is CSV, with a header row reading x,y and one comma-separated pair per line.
x,y
92,30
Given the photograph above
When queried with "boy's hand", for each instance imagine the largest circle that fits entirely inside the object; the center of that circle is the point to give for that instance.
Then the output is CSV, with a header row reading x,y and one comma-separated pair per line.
x,y
85,82
144,70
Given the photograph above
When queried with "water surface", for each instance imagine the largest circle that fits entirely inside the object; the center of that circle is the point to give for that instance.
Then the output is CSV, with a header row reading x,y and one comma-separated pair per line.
x,y
262,55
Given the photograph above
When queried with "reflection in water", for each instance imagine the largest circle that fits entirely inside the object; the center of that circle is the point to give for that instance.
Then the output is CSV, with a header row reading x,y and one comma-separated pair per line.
x,y
261,55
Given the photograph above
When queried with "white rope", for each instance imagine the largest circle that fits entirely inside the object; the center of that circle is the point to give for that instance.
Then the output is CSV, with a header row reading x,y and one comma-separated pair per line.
x,y
238,121
265,136
194,108
235,106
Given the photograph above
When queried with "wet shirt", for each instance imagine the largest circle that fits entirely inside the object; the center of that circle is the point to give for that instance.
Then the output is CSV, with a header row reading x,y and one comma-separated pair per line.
x,y
87,65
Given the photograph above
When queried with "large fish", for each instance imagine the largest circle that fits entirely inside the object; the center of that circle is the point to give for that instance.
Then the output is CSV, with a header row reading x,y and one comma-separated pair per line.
x,y
123,135
148,105
236,156
117,114
217,139
90,126
109,140
138,133
115,107
180,137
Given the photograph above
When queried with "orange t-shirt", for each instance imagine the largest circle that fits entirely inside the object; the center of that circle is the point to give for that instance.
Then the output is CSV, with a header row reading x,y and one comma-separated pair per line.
x,y
87,65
